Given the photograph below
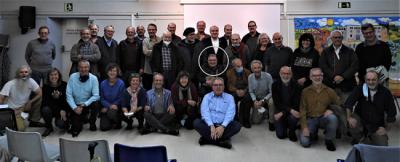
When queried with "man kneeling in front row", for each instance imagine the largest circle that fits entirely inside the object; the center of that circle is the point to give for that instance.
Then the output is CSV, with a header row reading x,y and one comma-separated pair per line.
x,y
216,125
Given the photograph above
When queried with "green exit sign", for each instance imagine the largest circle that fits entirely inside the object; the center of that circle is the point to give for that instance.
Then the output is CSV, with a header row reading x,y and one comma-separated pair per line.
x,y
68,7
344,5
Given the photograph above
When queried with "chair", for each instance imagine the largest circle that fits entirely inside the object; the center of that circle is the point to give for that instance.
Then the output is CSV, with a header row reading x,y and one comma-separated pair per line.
x,y
370,153
29,146
123,153
7,119
77,151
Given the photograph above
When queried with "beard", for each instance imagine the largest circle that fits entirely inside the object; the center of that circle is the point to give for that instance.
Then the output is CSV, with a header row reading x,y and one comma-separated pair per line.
x,y
372,87
286,81
22,82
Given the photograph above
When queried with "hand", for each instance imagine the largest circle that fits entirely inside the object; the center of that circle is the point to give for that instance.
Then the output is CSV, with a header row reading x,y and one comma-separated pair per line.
x,y
171,110
306,132
277,116
381,131
114,107
295,113
104,110
147,108
27,106
63,115
301,81
134,109
17,111
78,110
327,113
338,79
191,102
124,110
219,131
213,133
352,122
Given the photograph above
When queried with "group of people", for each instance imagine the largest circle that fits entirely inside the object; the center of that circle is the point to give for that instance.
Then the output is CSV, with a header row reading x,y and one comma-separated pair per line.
x,y
238,82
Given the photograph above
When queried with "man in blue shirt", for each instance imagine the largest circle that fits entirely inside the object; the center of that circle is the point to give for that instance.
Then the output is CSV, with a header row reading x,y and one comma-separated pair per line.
x,y
82,97
216,125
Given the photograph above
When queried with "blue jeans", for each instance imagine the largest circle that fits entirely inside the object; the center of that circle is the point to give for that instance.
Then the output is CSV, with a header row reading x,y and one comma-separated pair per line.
x,y
285,122
329,123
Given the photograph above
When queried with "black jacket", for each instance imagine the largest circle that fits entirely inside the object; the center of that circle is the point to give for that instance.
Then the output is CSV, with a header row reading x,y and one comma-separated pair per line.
x,y
156,59
294,97
372,113
346,67
131,57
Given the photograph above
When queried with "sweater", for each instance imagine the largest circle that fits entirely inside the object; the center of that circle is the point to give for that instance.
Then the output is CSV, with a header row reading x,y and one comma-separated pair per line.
x,y
276,58
40,55
111,94
131,58
56,104
301,64
82,92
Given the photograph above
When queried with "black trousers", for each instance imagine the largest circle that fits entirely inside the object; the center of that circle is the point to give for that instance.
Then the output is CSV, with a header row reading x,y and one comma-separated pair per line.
x,y
163,122
77,121
205,131
109,119
48,113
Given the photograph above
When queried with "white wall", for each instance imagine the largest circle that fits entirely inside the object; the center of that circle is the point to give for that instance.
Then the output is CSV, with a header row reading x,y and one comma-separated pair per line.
x,y
119,13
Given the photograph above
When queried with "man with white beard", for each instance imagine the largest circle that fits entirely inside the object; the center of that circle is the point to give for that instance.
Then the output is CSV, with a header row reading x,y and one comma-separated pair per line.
x,y
286,96
16,94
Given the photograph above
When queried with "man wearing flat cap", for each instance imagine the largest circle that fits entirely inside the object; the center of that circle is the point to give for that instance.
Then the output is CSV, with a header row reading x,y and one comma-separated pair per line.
x,y
186,47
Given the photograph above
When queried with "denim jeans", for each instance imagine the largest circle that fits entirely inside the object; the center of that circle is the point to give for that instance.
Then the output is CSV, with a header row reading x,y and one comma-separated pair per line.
x,y
329,123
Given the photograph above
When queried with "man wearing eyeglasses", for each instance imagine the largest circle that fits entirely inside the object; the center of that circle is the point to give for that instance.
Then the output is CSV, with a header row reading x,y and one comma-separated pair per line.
x,y
251,38
372,52
339,65
40,54
216,125
315,113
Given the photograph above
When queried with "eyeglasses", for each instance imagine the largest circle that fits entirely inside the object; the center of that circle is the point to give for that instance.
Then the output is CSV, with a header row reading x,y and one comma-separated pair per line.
x,y
135,75
339,37
318,75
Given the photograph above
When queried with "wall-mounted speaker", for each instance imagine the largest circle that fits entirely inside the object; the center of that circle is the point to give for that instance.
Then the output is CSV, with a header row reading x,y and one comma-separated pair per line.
x,y
27,18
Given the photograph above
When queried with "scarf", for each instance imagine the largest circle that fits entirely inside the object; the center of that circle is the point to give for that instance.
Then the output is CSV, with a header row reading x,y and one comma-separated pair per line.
x,y
134,95
187,89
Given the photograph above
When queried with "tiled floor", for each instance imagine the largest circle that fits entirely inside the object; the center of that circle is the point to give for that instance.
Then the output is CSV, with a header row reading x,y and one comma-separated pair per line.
x,y
250,145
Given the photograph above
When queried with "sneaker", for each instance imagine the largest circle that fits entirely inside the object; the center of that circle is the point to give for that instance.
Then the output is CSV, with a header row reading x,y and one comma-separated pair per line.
x,y
93,127
36,124
271,127
225,144
47,132
292,136
329,145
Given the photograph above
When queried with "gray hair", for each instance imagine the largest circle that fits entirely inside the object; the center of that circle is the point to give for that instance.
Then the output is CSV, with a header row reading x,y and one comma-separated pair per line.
x,y
335,31
217,78
256,62
23,67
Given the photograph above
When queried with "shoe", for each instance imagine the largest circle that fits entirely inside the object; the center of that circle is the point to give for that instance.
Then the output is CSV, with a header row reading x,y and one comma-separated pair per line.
x,y
247,125
225,144
47,132
36,124
118,126
75,134
129,127
354,142
271,127
93,127
203,141
140,126
144,131
173,132
329,145
292,136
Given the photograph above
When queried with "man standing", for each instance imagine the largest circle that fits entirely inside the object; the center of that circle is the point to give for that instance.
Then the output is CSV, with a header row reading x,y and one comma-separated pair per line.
x,y
159,111
375,103
83,96
216,125
140,34
148,44
372,52
315,113
94,29
16,94
286,96
228,34
277,56
40,54
201,27
260,83
251,38
186,47
217,47
166,59
131,58
85,50
238,50
339,64
172,28
108,49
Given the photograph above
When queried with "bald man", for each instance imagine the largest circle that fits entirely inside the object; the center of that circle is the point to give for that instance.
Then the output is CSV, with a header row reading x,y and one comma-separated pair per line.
x,y
172,28
130,52
166,59
201,27
277,56
238,50
228,34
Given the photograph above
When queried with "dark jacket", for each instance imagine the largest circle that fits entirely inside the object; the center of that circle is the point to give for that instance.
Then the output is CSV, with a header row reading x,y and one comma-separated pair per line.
x,y
183,102
131,57
187,51
56,104
294,97
156,59
108,55
372,114
221,57
142,99
346,67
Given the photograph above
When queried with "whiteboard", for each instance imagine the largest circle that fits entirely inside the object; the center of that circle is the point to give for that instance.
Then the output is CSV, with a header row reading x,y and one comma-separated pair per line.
x,y
267,16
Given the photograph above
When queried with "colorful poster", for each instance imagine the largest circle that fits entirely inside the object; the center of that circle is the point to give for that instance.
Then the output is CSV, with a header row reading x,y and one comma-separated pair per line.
x,y
387,29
